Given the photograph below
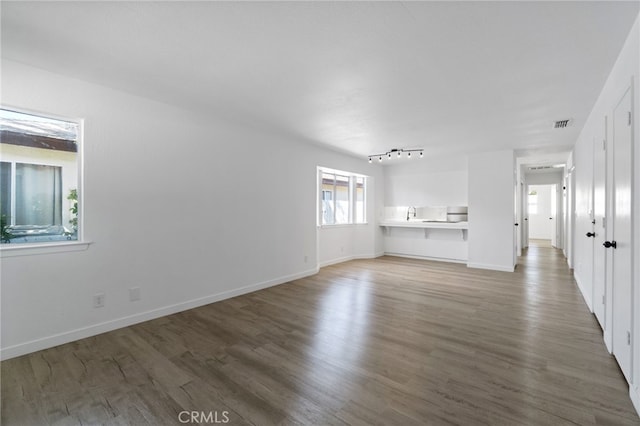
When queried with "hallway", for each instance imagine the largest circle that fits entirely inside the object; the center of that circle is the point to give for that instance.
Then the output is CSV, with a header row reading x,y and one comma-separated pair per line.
x,y
381,341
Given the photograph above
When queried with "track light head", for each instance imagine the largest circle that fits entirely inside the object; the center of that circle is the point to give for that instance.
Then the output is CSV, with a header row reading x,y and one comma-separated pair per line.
x,y
398,151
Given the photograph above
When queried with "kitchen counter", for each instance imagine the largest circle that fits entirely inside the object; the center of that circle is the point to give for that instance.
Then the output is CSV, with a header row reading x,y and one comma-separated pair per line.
x,y
426,225
426,240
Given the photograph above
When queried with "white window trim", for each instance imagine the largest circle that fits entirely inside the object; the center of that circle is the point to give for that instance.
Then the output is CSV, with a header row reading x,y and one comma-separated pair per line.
x,y
352,198
355,198
22,249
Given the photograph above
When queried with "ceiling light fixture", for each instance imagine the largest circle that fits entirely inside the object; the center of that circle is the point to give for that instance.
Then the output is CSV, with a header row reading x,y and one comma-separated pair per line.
x,y
399,151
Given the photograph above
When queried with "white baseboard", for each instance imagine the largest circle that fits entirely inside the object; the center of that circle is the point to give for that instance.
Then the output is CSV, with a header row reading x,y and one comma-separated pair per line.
x,y
92,330
634,393
437,259
608,341
491,267
369,256
348,258
336,261
585,294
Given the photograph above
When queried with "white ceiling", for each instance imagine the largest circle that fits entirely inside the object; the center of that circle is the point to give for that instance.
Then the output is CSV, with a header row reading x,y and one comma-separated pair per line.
x,y
365,77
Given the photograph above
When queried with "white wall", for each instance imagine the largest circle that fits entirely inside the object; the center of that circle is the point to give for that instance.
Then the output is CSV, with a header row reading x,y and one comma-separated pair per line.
x,y
341,243
569,207
188,208
630,58
544,178
583,210
426,182
491,210
625,70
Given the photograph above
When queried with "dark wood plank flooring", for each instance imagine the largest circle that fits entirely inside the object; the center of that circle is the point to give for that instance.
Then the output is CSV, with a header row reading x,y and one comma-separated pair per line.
x,y
388,341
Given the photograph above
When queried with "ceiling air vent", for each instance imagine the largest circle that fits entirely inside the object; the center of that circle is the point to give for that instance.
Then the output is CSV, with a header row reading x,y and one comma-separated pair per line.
x,y
561,124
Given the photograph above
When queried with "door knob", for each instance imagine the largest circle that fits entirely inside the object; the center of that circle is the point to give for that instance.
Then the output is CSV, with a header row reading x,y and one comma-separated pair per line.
x,y
591,234
608,244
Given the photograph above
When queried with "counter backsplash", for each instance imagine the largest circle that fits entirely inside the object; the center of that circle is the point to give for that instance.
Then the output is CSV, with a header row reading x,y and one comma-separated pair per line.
x,y
427,213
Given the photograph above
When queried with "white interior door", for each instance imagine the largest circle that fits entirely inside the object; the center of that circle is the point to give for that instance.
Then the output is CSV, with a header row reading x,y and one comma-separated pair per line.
x,y
540,217
553,214
520,216
559,216
598,229
525,215
565,215
516,229
571,215
620,233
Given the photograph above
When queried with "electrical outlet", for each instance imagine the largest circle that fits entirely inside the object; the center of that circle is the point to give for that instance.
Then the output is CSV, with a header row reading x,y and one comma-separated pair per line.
x,y
134,294
306,259
98,300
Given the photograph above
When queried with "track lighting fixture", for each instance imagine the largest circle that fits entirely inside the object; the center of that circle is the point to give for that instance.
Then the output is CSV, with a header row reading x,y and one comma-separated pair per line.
x,y
399,152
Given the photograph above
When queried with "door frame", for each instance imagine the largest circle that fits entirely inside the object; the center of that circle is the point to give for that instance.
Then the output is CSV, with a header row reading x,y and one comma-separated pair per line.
x,y
610,234
598,217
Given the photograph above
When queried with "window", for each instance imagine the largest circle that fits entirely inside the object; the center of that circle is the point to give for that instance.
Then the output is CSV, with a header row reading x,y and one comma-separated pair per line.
x,y
360,207
38,178
342,197
533,202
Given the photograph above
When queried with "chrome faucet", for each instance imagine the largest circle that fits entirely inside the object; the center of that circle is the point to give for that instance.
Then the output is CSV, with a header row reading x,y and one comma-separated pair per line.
x,y
409,210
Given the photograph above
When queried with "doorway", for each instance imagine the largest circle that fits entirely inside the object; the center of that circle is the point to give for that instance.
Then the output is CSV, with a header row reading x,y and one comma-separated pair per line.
x,y
542,212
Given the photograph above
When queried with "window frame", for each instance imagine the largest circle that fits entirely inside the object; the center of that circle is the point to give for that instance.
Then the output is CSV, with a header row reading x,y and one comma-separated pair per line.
x,y
364,199
352,194
532,202
81,243
13,187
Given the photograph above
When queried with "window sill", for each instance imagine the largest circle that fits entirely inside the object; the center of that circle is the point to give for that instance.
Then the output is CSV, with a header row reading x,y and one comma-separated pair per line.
x,y
8,250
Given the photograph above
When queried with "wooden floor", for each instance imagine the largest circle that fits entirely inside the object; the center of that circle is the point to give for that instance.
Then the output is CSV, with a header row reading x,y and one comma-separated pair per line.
x,y
388,341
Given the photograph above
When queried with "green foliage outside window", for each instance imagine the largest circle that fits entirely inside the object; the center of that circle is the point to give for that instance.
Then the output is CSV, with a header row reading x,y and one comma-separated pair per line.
x,y
73,197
